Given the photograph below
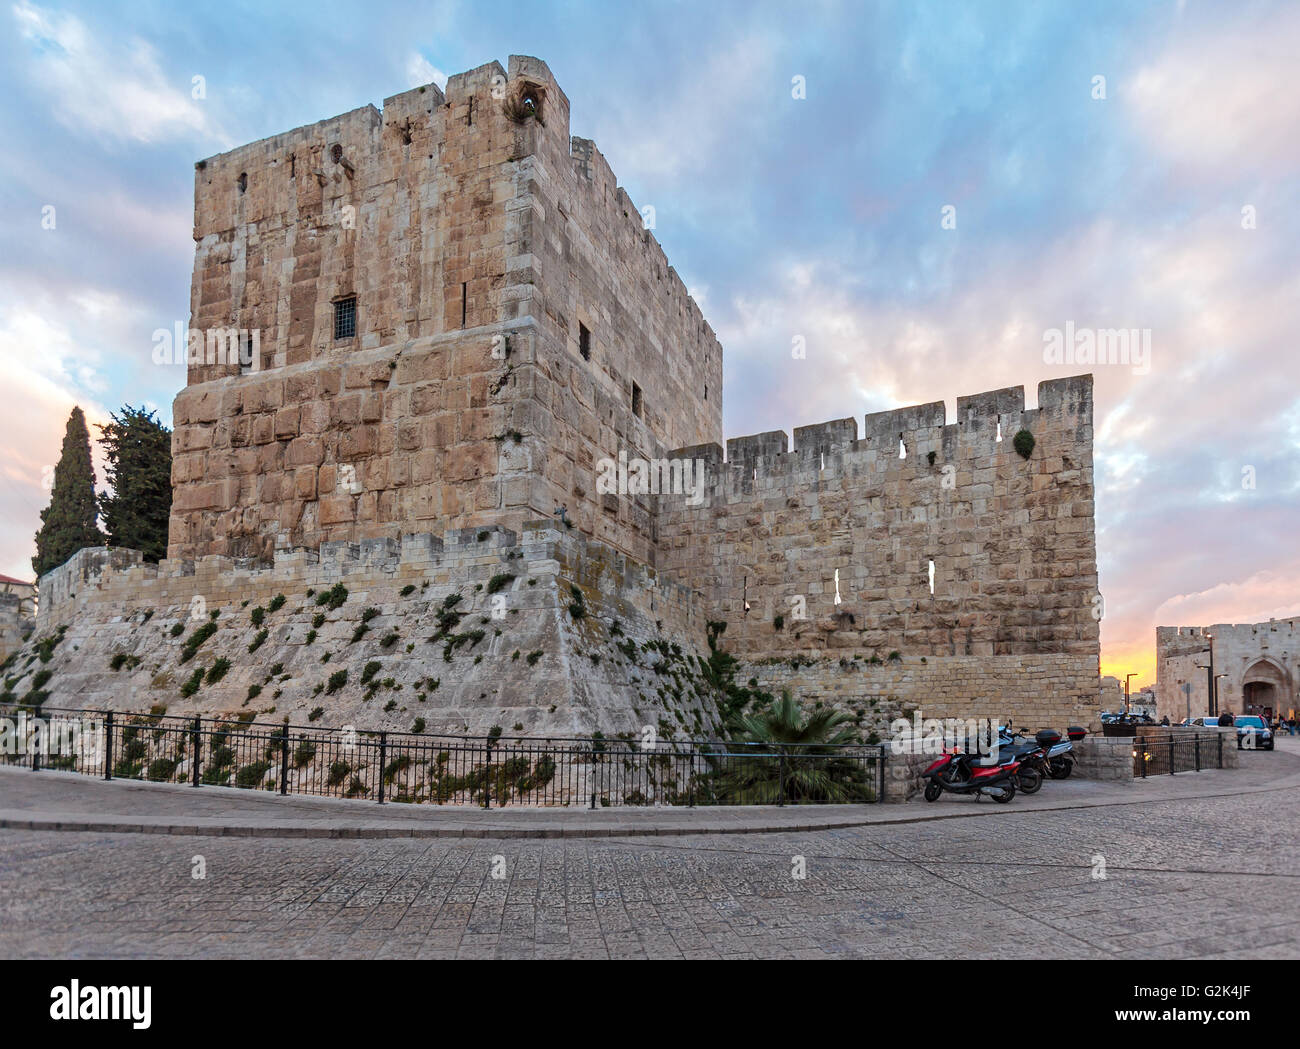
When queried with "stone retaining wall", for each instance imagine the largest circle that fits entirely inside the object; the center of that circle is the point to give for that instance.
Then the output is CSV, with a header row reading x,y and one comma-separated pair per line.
x,y
575,639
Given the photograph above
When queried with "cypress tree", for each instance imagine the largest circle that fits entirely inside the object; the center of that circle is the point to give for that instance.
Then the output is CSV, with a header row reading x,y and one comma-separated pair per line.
x,y
138,453
68,524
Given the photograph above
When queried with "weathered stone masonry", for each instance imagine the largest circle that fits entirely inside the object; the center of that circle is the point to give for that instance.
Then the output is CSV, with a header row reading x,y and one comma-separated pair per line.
x,y
1010,624
462,224
525,658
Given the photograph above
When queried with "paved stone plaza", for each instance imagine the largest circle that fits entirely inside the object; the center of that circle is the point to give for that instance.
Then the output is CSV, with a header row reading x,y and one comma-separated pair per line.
x,y
1197,865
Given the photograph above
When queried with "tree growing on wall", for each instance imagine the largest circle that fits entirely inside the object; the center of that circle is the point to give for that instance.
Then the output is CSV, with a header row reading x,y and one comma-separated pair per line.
x,y
138,453
69,523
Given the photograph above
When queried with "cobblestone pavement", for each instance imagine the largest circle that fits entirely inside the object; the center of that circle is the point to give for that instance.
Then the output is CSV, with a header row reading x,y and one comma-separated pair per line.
x,y
1185,877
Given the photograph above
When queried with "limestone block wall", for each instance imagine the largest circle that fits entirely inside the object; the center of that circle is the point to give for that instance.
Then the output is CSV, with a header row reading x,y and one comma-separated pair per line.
x,y
407,211
16,622
1011,542
405,208
1263,655
1103,758
392,440
1030,691
628,657
625,360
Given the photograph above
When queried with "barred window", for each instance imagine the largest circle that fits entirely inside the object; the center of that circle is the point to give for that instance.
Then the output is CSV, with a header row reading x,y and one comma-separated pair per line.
x,y
345,318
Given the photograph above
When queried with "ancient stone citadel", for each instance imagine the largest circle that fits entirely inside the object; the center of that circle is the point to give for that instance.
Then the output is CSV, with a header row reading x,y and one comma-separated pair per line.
x,y
459,318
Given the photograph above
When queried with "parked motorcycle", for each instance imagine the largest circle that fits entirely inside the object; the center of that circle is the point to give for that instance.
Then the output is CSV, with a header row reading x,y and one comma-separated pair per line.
x,y
1056,760
957,773
1060,753
1030,754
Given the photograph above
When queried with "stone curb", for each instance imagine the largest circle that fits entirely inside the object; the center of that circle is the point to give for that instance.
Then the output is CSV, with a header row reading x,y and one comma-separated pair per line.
x,y
319,829
312,829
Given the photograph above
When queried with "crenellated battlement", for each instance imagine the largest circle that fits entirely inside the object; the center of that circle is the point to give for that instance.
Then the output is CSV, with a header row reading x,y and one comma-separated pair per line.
x,y
985,426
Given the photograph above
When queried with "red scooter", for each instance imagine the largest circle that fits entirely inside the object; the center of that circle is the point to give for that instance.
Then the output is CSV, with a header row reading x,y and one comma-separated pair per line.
x,y
957,773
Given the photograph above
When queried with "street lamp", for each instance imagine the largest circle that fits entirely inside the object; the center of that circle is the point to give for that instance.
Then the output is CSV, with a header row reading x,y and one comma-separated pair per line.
x,y
1211,683
1214,693
1126,680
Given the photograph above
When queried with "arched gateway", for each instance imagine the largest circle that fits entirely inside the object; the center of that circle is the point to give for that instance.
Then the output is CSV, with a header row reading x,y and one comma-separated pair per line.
x,y
1265,689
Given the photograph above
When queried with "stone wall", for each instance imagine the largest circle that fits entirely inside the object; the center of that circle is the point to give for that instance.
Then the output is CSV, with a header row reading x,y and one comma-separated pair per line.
x,y
1104,758
16,622
1030,691
1010,625
575,639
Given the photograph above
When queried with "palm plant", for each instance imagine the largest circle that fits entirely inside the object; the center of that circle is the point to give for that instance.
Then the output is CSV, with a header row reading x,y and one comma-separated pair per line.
x,y
779,754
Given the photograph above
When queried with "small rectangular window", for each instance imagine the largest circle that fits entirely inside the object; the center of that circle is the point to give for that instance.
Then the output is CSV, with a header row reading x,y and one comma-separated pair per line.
x,y
636,400
345,318
584,342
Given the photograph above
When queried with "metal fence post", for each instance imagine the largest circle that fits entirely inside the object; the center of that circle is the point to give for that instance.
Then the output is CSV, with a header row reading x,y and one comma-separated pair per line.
x,y
1197,739
1220,762
284,760
487,774
383,755
196,745
108,745
781,789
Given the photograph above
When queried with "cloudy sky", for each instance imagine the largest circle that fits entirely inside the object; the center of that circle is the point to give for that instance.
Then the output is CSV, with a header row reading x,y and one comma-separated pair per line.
x,y
1164,197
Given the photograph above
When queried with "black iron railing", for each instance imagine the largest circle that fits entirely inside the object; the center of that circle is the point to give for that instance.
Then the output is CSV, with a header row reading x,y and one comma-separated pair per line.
x,y
1158,753
445,770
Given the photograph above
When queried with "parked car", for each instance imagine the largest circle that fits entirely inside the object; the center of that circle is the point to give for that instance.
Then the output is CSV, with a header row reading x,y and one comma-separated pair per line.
x,y
1204,721
1132,717
1253,725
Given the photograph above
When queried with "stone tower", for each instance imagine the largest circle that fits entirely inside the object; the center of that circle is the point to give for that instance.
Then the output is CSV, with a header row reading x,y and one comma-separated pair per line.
x,y
447,313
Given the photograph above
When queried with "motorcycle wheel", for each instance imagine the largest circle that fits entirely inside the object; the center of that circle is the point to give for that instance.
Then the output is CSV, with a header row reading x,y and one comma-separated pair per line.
x,y
955,774
932,791
1007,794
1059,768
1030,780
